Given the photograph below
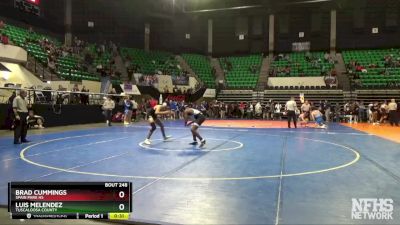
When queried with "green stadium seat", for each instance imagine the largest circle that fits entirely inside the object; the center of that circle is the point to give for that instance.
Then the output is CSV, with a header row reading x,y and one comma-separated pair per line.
x,y
240,74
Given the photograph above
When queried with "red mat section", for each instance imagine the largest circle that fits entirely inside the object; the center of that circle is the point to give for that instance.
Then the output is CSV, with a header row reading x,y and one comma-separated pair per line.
x,y
246,123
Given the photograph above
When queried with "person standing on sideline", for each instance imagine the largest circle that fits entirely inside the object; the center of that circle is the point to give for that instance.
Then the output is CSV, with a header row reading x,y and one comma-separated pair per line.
x,y
305,109
291,108
241,108
127,110
258,111
174,108
393,117
20,108
361,111
327,109
134,109
108,107
277,112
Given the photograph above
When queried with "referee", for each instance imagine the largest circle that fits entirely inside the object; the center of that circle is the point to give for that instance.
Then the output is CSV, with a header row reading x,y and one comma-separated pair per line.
x,y
291,108
393,117
20,108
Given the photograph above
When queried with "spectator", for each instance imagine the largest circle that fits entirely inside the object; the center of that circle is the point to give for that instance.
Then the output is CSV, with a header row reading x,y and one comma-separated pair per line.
x,y
249,110
333,73
10,114
175,89
134,109
326,57
51,64
174,108
361,111
267,110
305,109
327,111
383,112
84,97
108,107
75,99
272,72
127,110
11,98
277,110
287,70
61,95
129,70
242,106
354,111
258,110
2,24
34,121
4,39
375,110
308,56
213,71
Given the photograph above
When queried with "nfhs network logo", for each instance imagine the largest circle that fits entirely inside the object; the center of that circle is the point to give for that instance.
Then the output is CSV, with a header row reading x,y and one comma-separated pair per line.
x,y
372,209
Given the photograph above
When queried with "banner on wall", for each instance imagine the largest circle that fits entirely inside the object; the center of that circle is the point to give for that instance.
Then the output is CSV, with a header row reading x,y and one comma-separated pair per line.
x,y
301,46
180,80
145,80
130,89
209,93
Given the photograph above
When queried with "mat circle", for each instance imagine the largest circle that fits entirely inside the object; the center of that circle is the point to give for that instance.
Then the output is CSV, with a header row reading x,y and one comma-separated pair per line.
x,y
353,161
150,147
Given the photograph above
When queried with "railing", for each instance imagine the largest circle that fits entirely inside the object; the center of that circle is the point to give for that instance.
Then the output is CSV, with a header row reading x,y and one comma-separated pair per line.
x,y
37,68
43,96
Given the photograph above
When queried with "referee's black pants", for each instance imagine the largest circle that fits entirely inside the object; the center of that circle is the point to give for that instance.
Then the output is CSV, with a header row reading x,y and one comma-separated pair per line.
x,y
393,118
21,128
292,115
108,115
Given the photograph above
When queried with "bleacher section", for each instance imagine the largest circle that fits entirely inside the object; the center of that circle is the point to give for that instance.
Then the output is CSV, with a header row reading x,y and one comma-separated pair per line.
x,y
235,96
301,64
36,51
25,39
202,67
375,74
67,69
104,59
19,36
241,72
369,96
150,62
66,66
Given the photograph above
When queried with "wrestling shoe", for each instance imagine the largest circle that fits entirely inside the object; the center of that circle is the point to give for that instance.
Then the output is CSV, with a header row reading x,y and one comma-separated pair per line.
x,y
193,143
166,138
147,142
202,143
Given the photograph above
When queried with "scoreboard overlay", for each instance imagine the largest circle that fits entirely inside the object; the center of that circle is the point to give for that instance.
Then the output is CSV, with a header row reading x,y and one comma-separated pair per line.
x,y
70,200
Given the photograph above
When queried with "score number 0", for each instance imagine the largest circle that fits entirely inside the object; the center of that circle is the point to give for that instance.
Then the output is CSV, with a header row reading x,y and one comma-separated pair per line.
x,y
121,206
